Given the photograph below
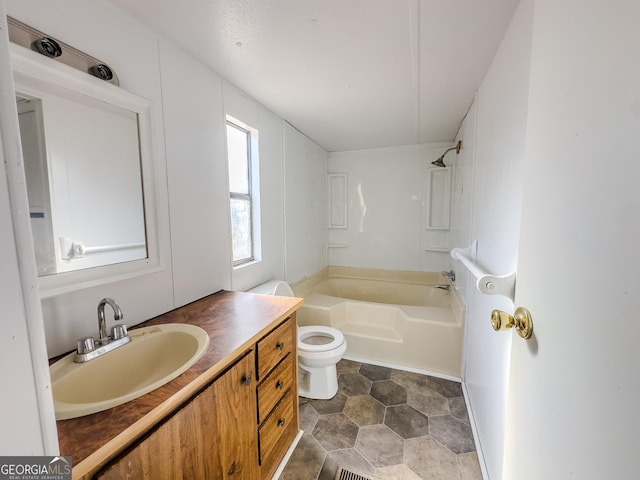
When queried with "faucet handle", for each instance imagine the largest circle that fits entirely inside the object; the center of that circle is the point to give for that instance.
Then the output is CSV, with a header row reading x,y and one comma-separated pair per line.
x,y
86,345
451,275
118,332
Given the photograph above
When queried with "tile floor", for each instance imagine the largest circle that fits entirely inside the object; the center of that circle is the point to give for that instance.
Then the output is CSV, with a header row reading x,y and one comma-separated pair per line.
x,y
391,423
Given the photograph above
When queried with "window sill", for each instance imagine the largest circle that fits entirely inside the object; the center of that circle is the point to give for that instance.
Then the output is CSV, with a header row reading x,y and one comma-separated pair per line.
x,y
247,264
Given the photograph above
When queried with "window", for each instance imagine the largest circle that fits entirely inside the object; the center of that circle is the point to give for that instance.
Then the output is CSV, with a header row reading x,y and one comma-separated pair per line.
x,y
242,175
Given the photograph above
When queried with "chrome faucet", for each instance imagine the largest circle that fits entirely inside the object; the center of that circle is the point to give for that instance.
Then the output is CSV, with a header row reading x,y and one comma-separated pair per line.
x,y
451,275
443,286
89,348
103,338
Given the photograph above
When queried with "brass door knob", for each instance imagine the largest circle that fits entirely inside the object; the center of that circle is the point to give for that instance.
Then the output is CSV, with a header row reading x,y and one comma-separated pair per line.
x,y
521,320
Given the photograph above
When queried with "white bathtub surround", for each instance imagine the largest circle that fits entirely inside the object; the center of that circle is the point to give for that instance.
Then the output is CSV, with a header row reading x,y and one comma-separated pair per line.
x,y
391,317
397,208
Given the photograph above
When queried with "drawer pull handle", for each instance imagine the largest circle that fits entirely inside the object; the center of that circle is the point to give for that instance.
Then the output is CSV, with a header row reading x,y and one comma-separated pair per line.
x,y
280,385
280,346
281,422
247,379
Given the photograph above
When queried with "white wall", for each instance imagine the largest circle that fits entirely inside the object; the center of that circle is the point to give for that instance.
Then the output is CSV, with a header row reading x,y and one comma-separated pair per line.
x,y
497,183
272,191
197,175
305,205
388,194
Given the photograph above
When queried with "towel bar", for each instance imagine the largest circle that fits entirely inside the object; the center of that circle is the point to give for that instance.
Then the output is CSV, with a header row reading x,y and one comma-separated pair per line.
x,y
485,282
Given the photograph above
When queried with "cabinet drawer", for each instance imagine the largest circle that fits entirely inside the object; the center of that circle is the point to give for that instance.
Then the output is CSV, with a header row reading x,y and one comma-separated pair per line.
x,y
275,346
273,387
276,431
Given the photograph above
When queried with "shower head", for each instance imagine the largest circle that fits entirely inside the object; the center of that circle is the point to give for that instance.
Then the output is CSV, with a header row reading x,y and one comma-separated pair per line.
x,y
440,161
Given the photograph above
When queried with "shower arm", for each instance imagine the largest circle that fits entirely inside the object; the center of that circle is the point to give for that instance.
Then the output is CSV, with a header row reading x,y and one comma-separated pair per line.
x,y
440,161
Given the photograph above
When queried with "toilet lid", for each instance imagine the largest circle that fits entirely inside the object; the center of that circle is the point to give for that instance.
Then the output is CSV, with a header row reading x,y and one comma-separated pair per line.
x,y
319,331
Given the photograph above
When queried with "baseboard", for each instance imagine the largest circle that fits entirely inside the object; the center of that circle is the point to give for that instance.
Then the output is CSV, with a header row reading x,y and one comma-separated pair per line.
x,y
402,367
476,438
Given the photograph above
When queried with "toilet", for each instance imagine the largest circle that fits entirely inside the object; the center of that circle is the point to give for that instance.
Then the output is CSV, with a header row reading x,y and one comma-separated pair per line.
x,y
320,348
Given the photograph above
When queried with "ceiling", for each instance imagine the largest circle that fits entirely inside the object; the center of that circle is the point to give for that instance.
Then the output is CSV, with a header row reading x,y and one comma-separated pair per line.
x,y
350,74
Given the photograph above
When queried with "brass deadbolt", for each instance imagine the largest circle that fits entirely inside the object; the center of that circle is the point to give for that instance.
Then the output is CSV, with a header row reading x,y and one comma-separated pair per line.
x,y
521,320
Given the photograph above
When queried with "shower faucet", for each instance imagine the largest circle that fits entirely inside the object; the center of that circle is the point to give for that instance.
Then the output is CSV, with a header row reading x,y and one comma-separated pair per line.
x,y
451,275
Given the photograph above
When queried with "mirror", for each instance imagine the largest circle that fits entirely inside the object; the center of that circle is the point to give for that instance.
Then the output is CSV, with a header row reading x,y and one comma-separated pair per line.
x,y
83,181
88,165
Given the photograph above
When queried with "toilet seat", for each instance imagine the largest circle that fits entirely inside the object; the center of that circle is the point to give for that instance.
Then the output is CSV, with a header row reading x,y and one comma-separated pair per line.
x,y
318,330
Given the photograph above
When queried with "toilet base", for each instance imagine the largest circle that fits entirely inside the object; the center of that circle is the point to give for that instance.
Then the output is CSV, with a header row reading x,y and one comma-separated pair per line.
x,y
318,383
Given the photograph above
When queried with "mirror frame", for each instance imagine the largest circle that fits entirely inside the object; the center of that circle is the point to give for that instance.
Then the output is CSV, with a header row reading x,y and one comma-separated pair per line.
x,y
30,68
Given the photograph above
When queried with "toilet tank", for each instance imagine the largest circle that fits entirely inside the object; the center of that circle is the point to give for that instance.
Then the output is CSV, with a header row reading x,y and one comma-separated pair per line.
x,y
274,287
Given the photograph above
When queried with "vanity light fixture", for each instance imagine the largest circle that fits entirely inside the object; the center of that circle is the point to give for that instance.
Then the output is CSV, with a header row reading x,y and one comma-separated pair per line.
x,y
28,37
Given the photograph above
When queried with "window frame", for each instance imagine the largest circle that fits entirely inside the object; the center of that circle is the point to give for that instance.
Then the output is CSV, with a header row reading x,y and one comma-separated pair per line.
x,y
249,197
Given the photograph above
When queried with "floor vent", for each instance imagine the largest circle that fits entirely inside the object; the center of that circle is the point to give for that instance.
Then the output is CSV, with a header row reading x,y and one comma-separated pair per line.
x,y
345,473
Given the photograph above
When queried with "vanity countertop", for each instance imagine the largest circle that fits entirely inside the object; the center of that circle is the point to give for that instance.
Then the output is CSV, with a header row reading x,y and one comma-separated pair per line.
x,y
234,321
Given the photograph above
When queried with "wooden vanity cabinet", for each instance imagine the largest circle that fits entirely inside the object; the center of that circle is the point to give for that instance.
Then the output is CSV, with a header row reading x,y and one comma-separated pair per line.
x,y
277,395
240,426
212,436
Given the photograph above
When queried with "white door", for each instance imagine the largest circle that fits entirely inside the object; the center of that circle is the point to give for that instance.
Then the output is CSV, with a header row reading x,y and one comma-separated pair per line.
x,y
573,407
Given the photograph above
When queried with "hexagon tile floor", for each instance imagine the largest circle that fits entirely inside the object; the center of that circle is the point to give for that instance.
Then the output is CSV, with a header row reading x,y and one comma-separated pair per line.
x,y
394,424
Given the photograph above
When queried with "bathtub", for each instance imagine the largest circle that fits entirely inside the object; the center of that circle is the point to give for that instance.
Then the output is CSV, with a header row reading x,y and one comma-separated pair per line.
x,y
389,318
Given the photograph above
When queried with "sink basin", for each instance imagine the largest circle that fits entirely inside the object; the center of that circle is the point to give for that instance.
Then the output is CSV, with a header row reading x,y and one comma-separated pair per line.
x,y
155,356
